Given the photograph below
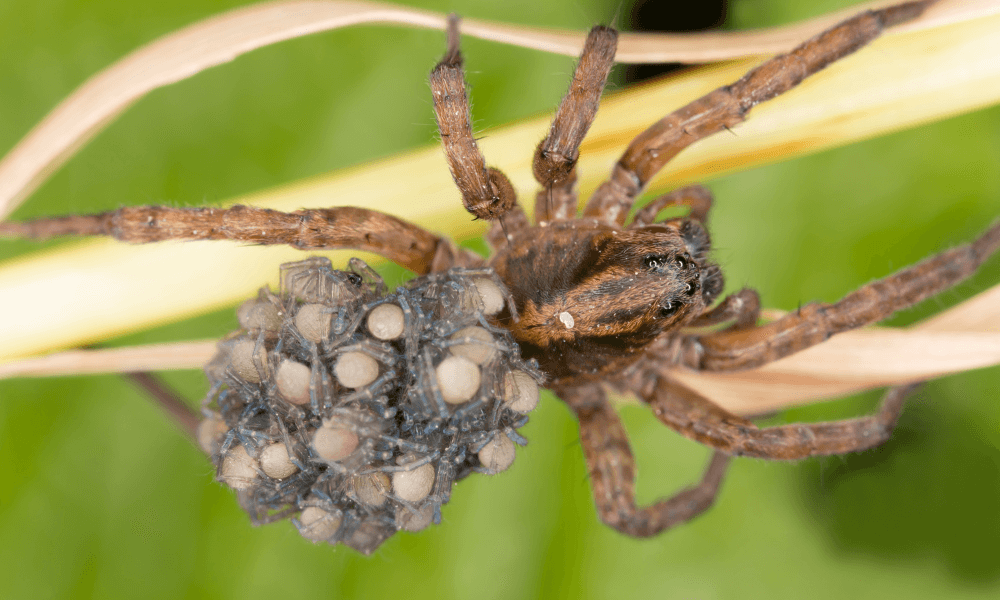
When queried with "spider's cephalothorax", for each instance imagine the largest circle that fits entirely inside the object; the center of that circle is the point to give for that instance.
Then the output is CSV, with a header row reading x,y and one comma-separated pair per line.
x,y
590,296
597,300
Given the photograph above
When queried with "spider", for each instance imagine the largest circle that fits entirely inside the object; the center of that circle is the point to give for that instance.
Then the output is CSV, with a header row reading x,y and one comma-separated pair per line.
x,y
602,303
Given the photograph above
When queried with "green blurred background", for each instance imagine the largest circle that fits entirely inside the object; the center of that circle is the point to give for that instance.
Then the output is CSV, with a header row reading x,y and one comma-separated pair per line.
x,y
101,497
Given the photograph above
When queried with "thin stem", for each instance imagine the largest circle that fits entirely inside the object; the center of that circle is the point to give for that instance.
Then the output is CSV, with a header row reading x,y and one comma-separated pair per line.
x,y
169,400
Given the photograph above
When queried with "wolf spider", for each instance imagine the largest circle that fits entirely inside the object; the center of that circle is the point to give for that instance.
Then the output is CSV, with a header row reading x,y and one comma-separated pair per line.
x,y
605,302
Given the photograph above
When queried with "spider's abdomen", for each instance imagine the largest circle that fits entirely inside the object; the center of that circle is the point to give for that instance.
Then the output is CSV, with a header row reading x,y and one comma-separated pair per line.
x,y
590,297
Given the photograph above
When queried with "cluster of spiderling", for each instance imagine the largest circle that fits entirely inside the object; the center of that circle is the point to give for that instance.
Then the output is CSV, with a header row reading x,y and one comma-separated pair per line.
x,y
353,410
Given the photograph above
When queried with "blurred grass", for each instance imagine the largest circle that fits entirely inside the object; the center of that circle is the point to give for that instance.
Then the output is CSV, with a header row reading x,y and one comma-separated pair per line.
x,y
100,497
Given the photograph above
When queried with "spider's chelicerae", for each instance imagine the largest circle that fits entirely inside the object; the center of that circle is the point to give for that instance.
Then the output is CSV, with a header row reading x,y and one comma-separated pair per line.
x,y
581,303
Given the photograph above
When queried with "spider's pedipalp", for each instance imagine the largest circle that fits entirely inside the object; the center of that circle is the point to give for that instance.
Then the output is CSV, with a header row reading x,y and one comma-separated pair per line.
x,y
728,105
696,198
742,308
486,192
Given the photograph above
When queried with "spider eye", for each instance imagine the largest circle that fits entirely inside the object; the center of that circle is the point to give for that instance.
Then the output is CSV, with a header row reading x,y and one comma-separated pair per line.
x,y
682,263
655,262
670,308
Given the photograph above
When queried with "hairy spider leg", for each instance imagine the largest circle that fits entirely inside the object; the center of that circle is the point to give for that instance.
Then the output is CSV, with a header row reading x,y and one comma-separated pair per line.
x,y
345,227
554,164
742,308
695,417
612,466
733,350
555,159
612,471
729,105
486,192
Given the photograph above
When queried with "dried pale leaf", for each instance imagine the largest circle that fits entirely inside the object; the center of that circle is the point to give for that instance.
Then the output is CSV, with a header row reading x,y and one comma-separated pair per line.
x,y
852,361
223,38
979,313
714,46
848,363
913,80
132,359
